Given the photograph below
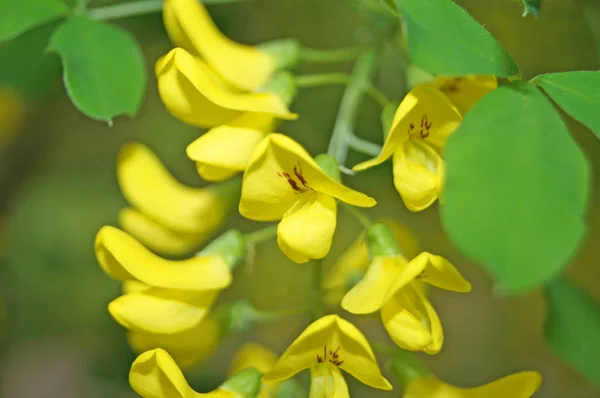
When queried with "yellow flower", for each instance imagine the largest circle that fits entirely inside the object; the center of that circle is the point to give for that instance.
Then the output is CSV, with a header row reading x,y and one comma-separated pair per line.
x,y
12,110
465,91
225,150
423,121
518,385
194,94
167,216
154,374
253,355
393,285
282,181
186,347
352,265
190,26
178,294
326,346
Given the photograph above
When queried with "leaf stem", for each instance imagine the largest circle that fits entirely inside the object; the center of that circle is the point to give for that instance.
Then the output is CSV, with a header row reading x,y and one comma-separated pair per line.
x,y
363,146
322,79
359,215
327,56
317,299
350,104
139,7
261,235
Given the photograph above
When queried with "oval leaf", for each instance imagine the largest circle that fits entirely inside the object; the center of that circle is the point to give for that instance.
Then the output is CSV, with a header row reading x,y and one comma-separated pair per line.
x,y
18,16
577,93
572,328
104,69
444,39
517,187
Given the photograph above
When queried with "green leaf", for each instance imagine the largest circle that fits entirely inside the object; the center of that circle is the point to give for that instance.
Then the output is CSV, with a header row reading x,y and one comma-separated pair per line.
x,y
532,7
444,39
104,69
577,93
517,187
18,16
572,327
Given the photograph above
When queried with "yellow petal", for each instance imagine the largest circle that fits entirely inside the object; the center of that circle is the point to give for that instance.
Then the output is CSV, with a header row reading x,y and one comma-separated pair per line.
x,y
518,385
327,382
370,293
435,326
124,258
189,24
331,340
154,374
192,93
355,260
465,91
306,229
149,187
163,311
405,319
229,147
156,236
280,170
187,347
431,269
418,175
424,114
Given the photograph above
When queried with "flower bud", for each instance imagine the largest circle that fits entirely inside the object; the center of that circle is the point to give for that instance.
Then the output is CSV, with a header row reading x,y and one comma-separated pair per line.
x,y
246,383
285,52
283,84
381,242
329,166
231,246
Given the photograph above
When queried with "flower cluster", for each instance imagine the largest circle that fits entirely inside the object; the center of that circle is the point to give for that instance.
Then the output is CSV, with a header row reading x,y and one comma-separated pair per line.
x,y
239,93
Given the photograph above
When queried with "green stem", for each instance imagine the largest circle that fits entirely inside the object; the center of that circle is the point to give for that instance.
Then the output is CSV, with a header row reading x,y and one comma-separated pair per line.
x,y
322,79
350,104
261,235
317,299
363,146
140,7
326,56
359,215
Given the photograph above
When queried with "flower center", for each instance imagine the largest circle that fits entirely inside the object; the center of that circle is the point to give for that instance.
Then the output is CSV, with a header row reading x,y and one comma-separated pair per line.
x,y
296,180
451,85
334,356
423,130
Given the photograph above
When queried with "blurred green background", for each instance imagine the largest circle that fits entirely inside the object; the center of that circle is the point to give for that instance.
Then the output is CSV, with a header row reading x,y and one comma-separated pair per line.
x,y
58,186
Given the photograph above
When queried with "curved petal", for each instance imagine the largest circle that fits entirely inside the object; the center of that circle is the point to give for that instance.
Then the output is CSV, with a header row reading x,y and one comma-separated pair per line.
x,y
156,236
424,114
327,382
124,258
402,316
149,187
188,23
280,170
229,146
162,311
307,228
465,91
154,374
435,326
187,348
518,385
431,269
253,355
192,93
418,175
214,173
333,341
370,293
